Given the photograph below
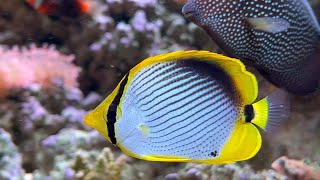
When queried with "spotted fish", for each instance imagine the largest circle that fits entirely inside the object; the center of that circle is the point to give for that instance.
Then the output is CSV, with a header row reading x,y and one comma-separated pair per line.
x,y
188,106
280,38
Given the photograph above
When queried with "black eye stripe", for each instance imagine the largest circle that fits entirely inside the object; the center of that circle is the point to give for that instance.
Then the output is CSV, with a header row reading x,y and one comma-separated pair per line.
x,y
112,110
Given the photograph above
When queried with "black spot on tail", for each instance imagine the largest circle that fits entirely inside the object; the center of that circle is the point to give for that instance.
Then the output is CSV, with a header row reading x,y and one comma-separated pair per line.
x,y
248,113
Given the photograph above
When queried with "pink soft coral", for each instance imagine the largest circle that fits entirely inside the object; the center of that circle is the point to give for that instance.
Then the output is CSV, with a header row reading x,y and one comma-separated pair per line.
x,y
20,68
296,169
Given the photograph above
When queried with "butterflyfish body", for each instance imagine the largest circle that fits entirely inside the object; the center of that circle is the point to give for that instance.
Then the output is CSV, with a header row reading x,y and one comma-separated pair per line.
x,y
188,106
281,39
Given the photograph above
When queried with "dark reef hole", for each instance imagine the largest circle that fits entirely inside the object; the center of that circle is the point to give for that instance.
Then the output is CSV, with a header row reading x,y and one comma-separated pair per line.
x,y
122,17
51,39
6,16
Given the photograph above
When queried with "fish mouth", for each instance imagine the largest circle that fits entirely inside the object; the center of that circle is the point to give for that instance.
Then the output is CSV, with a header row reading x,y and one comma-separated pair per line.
x,y
188,10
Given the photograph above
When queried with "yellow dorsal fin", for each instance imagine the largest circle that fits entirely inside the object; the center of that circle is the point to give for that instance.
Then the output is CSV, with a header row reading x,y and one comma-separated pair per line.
x,y
241,78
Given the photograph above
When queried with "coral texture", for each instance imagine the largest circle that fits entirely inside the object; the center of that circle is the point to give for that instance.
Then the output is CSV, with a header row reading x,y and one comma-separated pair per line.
x,y
230,171
22,67
116,36
295,169
43,101
10,159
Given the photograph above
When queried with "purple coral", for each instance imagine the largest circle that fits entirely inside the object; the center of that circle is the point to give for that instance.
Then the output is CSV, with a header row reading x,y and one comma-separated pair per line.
x,y
145,3
34,109
141,24
10,159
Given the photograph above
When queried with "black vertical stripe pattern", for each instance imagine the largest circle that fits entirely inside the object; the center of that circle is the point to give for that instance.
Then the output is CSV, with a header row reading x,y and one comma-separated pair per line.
x,y
112,110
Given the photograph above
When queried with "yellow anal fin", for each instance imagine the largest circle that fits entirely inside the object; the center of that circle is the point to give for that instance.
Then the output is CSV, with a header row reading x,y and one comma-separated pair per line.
x,y
244,143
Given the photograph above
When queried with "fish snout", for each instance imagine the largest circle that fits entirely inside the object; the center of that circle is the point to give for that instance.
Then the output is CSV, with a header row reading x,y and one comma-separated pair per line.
x,y
188,10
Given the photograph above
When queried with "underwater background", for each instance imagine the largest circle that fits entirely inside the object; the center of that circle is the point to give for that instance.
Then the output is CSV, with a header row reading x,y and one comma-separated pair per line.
x,y
54,68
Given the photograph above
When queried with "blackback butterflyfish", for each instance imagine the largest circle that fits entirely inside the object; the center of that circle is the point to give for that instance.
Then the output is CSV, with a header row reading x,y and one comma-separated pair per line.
x,y
188,106
280,38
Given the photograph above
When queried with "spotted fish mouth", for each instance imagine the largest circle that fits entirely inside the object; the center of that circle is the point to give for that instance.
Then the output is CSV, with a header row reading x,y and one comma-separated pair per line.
x,y
188,10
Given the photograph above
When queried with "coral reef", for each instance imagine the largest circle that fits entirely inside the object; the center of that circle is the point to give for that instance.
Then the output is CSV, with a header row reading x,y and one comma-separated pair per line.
x,y
138,28
145,29
46,91
230,171
106,167
57,153
32,119
10,159
295,169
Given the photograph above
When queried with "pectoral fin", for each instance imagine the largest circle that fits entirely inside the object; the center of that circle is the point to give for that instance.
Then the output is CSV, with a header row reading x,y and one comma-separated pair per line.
x,y
269,24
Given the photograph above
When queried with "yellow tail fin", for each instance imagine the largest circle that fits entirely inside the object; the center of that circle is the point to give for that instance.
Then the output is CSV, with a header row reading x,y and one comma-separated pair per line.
x,y
270,112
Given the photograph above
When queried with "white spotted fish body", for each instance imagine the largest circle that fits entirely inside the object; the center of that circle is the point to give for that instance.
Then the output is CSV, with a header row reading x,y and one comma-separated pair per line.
x,y
281,38
184,107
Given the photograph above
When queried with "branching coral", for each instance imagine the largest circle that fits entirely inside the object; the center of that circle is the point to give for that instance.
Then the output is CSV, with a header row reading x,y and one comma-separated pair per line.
x,y
58,152
20,68
34,113
106,166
